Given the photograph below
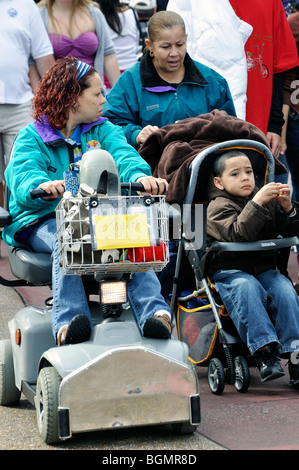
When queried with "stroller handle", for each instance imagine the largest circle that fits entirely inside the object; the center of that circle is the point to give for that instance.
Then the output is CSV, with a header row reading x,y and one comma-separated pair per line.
x,y
39,193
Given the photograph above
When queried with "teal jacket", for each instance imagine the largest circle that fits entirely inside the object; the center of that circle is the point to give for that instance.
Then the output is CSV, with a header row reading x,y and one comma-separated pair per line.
x,y
140,97
41,154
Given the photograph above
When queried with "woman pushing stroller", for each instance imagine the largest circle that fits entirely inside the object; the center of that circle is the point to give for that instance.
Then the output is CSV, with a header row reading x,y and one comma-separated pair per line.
x,y
261,301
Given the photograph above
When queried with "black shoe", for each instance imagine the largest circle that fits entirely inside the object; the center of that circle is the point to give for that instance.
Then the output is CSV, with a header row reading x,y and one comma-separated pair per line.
x,y
268,363
159,326
294,373
77,331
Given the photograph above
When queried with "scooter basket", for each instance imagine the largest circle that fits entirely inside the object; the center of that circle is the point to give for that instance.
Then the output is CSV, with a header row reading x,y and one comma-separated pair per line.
x,y
112,234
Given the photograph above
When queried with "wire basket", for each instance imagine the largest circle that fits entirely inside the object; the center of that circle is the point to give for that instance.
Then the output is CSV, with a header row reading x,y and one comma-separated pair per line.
x,y
121,234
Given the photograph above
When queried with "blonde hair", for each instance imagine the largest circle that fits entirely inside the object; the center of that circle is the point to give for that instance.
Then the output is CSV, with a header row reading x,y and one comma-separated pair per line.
x,y
164,20
76,5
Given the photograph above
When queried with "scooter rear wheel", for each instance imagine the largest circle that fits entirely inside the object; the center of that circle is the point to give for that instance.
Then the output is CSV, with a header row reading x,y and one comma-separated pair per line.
x,y
9,393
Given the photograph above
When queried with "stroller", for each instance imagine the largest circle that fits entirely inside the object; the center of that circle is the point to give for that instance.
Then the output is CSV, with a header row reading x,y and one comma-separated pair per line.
x,y
201,319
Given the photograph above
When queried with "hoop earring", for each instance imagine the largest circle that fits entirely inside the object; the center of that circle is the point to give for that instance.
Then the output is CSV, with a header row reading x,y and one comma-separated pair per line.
x,y
151,54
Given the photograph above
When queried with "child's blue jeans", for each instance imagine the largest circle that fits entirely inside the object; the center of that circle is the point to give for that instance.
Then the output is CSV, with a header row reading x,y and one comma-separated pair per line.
x,y
264,308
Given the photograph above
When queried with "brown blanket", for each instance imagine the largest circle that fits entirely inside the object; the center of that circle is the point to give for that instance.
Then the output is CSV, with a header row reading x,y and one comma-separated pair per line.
x,y
170,150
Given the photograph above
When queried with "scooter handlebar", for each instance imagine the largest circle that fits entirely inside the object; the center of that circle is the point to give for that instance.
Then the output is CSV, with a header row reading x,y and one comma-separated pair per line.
x,y
36,193
133,186
39,193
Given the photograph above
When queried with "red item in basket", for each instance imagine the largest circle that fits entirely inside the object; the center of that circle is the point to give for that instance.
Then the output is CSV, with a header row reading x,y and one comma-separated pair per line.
x,y
147,253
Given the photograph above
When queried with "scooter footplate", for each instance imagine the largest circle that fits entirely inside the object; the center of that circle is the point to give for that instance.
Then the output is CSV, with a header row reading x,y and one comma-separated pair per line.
x,y
131,386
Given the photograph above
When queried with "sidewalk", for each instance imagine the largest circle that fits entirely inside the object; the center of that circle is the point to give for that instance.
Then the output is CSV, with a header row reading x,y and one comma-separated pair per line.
x,y
266,417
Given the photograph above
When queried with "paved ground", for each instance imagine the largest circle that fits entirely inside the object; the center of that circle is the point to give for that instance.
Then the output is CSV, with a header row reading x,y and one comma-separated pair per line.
x,y
266,417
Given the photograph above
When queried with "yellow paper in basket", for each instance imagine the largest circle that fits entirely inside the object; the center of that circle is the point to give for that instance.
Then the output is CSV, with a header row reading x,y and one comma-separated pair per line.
x,y
121,231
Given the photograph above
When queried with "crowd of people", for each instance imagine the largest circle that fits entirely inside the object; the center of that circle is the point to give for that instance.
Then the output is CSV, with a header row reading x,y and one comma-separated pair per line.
x,y
80,70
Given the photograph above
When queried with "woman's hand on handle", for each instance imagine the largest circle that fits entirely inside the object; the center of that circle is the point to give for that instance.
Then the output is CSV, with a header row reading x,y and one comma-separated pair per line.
x,y
55,189
152,185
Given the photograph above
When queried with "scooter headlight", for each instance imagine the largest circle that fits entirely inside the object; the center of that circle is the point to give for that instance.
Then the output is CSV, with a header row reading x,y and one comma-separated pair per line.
x,y
113,292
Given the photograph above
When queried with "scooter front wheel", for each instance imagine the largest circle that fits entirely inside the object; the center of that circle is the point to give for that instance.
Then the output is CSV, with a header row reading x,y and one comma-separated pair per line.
x,y
47,388
184,428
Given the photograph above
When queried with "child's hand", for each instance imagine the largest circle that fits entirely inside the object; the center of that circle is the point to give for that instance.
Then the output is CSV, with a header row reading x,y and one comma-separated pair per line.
x,y
266,193
284,197
278,191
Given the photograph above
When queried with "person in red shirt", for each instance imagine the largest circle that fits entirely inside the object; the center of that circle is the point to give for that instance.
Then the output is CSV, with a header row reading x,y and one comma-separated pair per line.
x,y
270,50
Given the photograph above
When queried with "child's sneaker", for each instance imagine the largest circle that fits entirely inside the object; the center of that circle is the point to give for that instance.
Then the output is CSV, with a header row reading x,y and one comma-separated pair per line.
x,y
268,363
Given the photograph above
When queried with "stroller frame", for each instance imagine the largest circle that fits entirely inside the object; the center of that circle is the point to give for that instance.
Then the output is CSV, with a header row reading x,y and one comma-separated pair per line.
x,y
198,257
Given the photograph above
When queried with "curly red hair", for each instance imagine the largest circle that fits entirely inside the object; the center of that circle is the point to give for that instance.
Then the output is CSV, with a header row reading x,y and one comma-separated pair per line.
x,y
58,91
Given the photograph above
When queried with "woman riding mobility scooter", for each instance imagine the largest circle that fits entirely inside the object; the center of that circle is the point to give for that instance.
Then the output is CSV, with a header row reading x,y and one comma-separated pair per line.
x,y
126,370
118,377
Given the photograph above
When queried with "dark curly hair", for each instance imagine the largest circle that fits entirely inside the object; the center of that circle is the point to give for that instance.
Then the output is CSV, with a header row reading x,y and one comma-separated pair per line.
x,y
58,91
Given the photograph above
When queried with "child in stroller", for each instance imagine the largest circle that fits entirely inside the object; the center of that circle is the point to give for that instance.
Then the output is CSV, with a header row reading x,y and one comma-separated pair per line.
x,y
202,320
261,301
184,153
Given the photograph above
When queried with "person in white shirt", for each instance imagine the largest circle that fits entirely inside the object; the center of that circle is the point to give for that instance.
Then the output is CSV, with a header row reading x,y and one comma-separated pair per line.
x,y
22,35
124,32
216,38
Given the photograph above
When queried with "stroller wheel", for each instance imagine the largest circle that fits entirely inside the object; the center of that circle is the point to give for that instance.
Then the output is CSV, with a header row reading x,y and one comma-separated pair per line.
x,y
216,376
242,374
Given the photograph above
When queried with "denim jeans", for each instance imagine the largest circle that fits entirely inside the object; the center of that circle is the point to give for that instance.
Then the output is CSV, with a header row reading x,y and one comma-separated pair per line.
x,y
69,298
264,309
285,177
